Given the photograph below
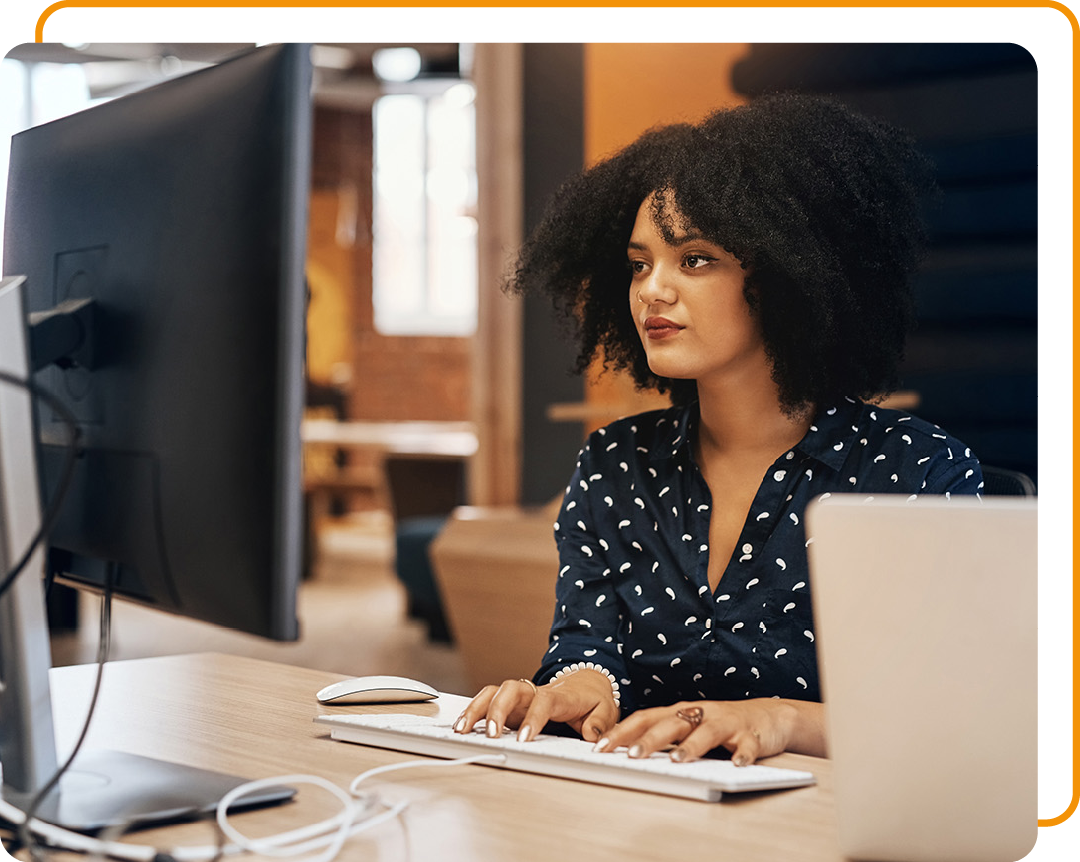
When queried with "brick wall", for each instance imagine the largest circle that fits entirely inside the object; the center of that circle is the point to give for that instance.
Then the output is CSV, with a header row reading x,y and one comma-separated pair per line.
x,y
392,377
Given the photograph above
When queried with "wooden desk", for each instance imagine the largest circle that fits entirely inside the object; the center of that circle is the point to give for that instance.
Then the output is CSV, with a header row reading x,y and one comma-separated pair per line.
x,y
255,718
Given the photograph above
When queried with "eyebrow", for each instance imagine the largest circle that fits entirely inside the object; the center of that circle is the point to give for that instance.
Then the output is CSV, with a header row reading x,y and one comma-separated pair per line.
x,y
676,241
693,236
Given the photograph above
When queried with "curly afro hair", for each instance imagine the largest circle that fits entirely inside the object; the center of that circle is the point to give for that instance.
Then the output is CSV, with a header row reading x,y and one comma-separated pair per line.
x,y
821,205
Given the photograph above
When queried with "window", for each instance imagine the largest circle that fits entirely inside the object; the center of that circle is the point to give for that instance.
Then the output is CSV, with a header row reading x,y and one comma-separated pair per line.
x,y
424,233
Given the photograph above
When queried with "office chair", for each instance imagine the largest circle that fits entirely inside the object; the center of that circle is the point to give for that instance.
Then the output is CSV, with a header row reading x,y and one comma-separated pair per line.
x,y
998,482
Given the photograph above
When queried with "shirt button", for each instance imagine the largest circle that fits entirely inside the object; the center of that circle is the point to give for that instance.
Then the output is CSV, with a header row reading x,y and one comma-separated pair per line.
x,y
747,548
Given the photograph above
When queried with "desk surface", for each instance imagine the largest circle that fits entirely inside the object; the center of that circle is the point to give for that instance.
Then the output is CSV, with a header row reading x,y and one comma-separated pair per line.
x,y
254,718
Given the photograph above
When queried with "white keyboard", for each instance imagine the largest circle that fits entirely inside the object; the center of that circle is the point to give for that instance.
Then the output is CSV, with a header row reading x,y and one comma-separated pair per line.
x,y
563,757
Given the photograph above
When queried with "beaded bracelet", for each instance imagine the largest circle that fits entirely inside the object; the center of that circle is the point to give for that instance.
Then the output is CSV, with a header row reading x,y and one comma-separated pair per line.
x,y
588,665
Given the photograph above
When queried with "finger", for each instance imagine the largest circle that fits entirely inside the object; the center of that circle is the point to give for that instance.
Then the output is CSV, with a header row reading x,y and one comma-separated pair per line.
x,y
475,710
599,721
508,706
699,742
743,742
625,732
662,734
538,714
747,748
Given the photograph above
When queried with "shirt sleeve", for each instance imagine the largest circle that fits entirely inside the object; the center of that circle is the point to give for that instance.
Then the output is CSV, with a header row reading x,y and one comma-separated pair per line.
x,y
953,470
587,618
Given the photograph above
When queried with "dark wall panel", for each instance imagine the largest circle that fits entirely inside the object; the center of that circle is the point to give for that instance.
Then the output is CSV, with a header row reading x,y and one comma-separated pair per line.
x,y
973,110
554,150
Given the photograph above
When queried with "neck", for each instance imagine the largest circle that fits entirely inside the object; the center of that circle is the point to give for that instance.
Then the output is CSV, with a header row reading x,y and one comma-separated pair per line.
x,y
749,419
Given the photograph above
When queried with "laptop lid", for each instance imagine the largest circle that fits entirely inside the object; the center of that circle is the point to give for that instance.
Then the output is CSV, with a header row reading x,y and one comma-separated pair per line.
x,y
926,630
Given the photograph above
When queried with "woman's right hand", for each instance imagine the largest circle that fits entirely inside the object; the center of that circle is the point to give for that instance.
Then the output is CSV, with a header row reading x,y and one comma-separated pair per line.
x,y
582,699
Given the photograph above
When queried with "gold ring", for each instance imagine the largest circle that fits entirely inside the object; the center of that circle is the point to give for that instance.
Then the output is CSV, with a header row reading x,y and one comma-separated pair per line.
x,y
693,716
529,683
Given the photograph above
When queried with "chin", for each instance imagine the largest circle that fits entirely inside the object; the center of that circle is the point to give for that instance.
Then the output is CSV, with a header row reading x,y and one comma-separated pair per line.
x,y
671,371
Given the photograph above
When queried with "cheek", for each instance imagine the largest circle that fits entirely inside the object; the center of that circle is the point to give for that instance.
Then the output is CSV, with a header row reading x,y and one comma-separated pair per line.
x,y
738,311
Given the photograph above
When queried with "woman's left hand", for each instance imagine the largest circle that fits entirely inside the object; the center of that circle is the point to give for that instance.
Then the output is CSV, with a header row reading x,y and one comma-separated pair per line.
x,y
749,729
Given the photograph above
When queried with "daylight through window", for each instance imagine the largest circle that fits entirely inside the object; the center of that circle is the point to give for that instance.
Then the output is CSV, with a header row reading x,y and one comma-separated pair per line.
x,y
424,259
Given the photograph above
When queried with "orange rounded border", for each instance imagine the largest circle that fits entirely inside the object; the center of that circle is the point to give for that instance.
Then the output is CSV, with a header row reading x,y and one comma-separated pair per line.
x,y
906,4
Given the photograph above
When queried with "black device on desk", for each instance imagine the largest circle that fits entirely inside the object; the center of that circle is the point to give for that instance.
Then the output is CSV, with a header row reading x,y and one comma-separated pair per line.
x,y
180,212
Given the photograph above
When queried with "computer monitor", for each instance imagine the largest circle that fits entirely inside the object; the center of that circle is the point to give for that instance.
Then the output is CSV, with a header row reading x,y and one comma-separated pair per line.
x,y
180,211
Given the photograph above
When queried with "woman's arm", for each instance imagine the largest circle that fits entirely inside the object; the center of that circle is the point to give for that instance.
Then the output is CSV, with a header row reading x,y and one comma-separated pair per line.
x,y
584,632
586,623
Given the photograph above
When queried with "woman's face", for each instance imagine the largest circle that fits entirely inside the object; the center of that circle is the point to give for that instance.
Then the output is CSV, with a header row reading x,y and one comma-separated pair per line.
x,y
687,302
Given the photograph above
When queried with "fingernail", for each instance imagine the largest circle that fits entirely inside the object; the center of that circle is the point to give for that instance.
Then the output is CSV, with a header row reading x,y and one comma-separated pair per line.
x,y
739,761
602,744
492,729
523,734
635,751
459,725
678,755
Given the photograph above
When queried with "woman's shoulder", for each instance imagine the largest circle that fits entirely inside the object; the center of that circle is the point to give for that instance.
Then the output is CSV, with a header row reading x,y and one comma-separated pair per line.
x,y
917,448
886,422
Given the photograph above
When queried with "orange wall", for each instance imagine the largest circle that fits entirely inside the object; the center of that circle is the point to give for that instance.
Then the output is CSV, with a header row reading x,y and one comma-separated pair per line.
x,y
628,89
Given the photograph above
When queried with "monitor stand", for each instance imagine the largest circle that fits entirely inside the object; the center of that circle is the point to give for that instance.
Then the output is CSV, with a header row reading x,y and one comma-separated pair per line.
x,y
102,788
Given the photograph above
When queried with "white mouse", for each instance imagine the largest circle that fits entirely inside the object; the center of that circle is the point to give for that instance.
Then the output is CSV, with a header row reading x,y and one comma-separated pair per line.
x,y
376,689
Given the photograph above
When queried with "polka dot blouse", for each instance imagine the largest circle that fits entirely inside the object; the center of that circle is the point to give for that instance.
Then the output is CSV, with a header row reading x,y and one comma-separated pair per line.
x,y
632,592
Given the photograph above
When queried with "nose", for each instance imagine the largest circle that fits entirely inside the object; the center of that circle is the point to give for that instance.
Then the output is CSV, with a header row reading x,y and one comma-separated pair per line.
x,y
657,286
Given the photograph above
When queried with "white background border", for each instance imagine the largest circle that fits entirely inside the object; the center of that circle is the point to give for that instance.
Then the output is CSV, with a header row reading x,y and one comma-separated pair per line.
x,y
1044,32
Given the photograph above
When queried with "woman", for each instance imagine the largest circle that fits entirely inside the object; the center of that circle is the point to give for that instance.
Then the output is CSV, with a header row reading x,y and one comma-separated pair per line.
x,y
756,267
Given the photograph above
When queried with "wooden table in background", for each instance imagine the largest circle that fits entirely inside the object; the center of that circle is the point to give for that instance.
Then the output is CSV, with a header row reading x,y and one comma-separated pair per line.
x,y
453,439
369,448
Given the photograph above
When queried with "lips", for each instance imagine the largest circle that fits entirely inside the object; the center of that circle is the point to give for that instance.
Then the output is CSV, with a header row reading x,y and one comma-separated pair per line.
x,y
660,327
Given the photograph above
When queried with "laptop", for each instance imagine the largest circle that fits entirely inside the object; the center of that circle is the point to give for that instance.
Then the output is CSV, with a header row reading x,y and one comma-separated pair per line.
x,y
926,629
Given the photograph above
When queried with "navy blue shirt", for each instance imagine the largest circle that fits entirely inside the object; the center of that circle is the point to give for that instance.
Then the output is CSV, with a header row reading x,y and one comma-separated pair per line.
x,y
632,592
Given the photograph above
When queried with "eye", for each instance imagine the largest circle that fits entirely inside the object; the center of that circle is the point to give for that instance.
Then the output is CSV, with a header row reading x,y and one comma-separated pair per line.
x,y
696,261
637,266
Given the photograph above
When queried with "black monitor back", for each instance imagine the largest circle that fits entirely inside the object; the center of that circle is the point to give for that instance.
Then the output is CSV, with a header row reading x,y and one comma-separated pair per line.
x,y
181,210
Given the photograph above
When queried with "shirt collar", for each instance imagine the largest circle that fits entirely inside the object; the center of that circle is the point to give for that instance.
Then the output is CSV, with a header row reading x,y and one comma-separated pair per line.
x,y
674,427
832,433
829,438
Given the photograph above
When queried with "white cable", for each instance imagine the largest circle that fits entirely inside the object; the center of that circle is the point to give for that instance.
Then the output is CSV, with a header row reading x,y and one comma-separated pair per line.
x,y
343,824
278,845
76,840
199,854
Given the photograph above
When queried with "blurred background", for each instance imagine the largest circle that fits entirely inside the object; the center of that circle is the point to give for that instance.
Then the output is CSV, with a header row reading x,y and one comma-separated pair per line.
x,y
429,389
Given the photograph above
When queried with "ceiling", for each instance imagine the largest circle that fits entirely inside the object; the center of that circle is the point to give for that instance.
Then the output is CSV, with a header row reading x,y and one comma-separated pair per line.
x,y
343,71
